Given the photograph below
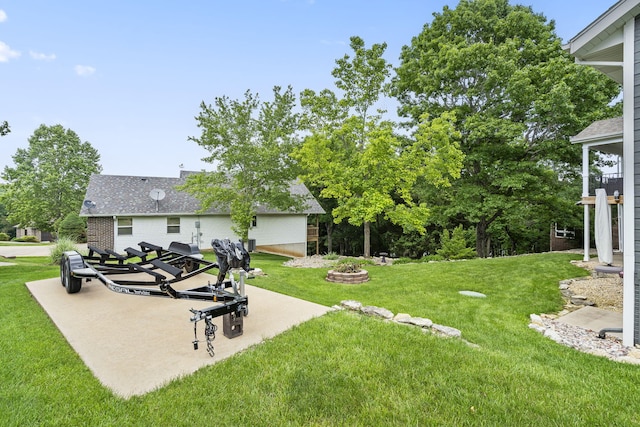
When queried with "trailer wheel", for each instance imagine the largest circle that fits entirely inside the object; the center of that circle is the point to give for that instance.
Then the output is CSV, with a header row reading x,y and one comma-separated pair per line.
x,y
190,265
70,283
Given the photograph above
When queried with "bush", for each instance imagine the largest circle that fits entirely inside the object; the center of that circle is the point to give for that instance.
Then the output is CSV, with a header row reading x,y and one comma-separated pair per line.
x,y
72,227
28,239
62,245
4,237
454,245
351,265
331,256
347,267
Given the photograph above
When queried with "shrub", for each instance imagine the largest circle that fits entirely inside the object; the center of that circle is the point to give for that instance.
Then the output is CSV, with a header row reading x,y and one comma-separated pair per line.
x,y
4,237
72,227
331,256
62,245
29,239
350,265
454,245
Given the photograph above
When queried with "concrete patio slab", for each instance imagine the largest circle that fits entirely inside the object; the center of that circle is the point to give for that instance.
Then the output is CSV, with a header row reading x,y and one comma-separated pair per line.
x,y
135,344
594,319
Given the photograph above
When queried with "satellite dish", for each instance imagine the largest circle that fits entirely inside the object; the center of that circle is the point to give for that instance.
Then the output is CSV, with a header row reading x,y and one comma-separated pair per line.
x,y
157,194
89,204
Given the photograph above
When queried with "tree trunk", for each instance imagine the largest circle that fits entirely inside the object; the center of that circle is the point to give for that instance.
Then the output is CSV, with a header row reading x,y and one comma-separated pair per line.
x,y
329,228
367,239
481,238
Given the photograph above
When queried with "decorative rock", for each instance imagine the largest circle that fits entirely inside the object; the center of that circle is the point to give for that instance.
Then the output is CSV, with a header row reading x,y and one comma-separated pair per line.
x,y
447,331
536,320
473,294
377,311
426,325
351,305
580,300
416,321
550,333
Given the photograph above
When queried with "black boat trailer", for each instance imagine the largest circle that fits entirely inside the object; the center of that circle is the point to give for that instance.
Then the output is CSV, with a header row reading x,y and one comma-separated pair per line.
x,y
160,268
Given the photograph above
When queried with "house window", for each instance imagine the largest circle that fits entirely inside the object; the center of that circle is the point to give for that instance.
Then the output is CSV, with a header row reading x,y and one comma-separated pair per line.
x,y
254,221
173,225
125,226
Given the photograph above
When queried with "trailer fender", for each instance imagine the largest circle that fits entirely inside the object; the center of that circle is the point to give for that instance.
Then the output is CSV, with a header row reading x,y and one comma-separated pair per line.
x,y
71,260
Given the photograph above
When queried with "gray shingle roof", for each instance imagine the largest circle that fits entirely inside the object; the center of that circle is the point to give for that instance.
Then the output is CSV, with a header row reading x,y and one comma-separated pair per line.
x,y
120,195
601,129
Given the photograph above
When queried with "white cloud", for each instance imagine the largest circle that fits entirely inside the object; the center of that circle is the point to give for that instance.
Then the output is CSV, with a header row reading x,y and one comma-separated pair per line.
x,y
6,53
3,15
84,70
42,56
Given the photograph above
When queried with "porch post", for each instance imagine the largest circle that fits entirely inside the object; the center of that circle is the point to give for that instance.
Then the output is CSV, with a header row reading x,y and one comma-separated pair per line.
x,y
585,193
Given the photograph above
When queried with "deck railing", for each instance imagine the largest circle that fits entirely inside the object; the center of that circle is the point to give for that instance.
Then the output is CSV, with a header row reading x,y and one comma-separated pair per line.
x,y
610,182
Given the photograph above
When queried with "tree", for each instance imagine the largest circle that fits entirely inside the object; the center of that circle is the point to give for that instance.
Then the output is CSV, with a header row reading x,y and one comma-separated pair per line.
x,y
73,227
250,142
4,128
358,159
517,97
49,178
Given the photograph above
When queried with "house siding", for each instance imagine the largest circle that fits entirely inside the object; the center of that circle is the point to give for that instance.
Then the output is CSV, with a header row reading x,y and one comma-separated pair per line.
x,y
636,175
283,234
153,229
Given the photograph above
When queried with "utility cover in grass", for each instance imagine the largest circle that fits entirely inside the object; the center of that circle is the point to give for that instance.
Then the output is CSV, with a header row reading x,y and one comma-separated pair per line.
x,y
473,294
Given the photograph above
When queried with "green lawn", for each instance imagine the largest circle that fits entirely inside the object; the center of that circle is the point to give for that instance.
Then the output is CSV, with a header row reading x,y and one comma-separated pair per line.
x,y
343,368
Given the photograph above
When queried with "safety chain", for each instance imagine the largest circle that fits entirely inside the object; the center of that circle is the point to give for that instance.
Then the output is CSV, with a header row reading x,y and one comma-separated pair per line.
x,y
209,331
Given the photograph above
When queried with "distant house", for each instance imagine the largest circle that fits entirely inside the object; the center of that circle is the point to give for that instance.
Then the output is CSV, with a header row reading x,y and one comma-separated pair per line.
x,y
41,236
122,211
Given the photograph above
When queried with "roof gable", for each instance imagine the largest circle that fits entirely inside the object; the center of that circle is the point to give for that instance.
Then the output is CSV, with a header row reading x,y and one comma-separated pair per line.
x,y
600,44
602,135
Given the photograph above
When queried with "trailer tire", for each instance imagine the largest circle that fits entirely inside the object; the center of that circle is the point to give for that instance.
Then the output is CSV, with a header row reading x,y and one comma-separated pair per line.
x,y
190,266
70,283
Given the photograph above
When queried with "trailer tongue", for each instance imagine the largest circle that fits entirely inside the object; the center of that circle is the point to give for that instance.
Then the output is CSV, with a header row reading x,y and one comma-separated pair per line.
x,y
152,270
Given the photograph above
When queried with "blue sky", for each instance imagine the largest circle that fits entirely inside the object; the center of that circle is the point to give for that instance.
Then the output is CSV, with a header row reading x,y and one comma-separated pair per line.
x,y
129,76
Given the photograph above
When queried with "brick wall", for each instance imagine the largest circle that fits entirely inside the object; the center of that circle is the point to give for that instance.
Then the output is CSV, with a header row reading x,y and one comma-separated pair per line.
x,y
100,232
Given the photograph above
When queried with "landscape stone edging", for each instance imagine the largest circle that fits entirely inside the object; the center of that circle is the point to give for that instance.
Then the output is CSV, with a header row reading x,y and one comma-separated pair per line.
x,y
402,318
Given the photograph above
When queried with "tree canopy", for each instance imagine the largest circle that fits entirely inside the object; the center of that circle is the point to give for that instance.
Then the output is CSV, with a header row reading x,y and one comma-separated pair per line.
x,y
357,158
516,96
250,142
49,178
4,128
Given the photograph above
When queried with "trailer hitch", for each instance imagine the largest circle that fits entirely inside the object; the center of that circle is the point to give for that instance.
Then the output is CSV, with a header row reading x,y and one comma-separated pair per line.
x,y
209,330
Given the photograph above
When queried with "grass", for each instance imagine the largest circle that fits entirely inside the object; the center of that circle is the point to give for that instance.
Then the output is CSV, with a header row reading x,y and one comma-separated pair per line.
x,y
343,368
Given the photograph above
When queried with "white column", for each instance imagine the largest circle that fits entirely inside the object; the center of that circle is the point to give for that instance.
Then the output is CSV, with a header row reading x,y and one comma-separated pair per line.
x,y
585,193
628,305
